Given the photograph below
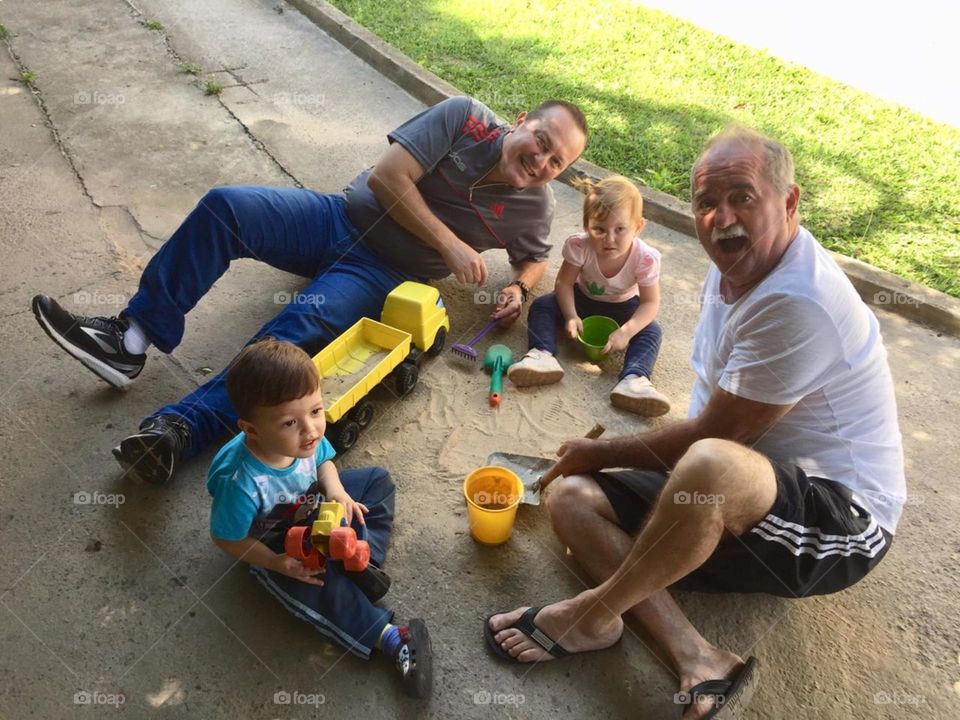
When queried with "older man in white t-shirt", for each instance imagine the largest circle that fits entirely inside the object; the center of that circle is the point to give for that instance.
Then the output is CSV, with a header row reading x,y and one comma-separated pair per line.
x,y
787,478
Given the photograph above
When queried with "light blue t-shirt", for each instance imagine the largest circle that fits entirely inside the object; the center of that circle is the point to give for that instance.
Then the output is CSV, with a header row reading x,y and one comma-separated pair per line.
x,y
249,497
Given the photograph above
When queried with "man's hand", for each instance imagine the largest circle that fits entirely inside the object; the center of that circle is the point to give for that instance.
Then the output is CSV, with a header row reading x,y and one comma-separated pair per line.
x,y
576,456
291,567
616,342
574,327
351,507
465,263
509,306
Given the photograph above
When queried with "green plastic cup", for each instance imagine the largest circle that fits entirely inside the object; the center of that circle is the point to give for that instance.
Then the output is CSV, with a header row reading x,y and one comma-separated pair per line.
x,y
596,331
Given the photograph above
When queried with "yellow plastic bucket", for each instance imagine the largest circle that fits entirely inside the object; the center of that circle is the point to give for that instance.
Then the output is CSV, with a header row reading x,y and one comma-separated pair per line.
x,y
492,494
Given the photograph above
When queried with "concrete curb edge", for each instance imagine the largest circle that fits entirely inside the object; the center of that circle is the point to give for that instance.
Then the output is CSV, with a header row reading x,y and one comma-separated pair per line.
x,y
877,287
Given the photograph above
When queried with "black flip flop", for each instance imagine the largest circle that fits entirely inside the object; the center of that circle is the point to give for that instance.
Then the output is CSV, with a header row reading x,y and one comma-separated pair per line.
x,y
529,628
415,660
730,695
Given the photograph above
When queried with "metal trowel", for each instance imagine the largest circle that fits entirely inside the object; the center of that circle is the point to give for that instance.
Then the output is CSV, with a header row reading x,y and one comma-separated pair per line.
x,y
530,469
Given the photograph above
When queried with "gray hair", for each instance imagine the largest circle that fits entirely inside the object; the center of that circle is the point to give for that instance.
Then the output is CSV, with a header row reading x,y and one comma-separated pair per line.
x,y
778,162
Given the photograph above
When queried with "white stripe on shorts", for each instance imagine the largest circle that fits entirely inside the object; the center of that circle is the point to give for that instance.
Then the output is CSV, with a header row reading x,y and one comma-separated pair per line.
x,y
801,540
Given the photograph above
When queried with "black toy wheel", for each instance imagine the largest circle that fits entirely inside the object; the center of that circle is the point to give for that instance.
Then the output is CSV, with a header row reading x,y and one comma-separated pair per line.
x,y
405,378
362,413
344,435
438,342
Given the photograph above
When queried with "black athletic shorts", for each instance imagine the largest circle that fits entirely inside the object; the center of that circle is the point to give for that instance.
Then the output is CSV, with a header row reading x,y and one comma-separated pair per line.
x,y
815,540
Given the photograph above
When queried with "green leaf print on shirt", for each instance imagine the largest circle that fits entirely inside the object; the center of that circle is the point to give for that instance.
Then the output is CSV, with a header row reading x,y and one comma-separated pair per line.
x,y
595,289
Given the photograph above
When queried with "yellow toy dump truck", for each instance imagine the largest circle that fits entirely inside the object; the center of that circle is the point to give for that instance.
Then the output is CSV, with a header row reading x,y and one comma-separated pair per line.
x,y
414,322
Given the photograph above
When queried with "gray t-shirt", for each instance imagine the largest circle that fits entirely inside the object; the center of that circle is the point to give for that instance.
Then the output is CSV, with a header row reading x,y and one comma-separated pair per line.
x,y
457,141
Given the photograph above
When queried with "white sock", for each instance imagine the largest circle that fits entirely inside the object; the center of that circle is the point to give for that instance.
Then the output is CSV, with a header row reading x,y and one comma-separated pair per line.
x,y
135,339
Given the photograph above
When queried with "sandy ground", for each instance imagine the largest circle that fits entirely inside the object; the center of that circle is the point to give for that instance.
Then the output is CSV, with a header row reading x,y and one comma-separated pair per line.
x,y
111,589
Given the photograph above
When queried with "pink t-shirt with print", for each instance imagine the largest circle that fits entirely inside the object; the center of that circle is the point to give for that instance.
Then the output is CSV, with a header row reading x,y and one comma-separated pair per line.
x,y
641,268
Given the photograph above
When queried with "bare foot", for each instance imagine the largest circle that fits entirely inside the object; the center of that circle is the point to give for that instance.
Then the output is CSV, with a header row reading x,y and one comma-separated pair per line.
x,y
567,622
711,664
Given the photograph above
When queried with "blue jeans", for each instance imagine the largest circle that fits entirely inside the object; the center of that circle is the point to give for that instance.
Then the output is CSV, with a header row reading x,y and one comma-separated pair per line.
x,y
338,609
545,318
296,230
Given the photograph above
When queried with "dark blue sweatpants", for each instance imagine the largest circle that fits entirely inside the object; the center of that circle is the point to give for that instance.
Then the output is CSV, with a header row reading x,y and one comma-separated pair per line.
x,y
296,230
339,610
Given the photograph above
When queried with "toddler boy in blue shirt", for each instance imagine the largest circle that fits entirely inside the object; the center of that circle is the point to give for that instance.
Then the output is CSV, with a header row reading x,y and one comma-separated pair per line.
x,y
273,475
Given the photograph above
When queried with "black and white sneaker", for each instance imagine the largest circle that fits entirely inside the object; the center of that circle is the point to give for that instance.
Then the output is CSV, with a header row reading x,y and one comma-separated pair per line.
x,y
97,342
152,453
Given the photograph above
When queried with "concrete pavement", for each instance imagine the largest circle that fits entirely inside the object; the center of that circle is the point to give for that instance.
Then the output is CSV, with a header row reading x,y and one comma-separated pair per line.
x,y
124,596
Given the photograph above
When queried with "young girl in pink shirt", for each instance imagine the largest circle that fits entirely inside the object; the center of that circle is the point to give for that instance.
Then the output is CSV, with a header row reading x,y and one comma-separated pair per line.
x,y
607,270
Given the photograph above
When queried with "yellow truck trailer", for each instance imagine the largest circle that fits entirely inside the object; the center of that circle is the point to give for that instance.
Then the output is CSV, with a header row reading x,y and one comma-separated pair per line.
x,y
413,323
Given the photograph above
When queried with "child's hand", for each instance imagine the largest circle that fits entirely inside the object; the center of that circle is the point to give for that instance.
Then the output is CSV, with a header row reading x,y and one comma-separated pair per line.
x,y
351,507
291,567
574,327
617,341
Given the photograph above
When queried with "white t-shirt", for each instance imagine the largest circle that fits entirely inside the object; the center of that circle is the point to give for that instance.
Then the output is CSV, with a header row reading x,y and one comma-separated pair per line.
x,y
642,267
804,336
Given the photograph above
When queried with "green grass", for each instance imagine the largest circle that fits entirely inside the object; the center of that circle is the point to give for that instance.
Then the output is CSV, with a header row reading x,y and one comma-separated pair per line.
x,y
213,87
29,78
153,25
3,31
190,68
880,182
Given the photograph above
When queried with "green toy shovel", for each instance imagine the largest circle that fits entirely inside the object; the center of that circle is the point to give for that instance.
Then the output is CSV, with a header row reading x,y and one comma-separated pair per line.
x,y
497,359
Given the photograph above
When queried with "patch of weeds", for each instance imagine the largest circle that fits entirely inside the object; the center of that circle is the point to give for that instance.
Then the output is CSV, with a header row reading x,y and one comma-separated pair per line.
x,y
213,87
3,31
29,78
190,68
152,25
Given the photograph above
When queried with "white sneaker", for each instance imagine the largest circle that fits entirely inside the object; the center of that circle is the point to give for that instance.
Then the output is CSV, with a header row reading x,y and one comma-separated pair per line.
x,y
637,395
537,367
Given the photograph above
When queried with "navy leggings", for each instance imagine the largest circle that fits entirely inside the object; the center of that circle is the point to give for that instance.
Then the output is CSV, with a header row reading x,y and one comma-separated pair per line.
x,y
545,319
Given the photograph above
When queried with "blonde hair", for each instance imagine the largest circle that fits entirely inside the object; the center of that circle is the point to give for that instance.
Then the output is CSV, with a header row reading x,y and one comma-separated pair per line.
x,y
605,196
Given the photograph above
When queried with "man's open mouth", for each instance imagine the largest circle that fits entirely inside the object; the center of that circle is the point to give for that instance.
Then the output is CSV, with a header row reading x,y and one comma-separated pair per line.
x,y
733,244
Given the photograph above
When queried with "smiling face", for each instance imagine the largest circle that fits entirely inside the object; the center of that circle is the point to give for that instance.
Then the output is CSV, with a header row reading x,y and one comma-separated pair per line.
x,y
613,235
538,149
743,222
293,429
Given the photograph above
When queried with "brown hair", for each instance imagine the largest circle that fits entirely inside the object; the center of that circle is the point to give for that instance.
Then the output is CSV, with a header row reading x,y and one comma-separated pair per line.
x,y
608,194
269,372
579,119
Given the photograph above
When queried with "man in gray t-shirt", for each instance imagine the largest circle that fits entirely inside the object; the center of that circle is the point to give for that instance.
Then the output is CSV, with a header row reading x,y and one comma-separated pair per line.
x,y
454,182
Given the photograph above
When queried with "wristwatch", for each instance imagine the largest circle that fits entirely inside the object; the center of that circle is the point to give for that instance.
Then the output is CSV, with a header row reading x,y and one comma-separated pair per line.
x,y
524,289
